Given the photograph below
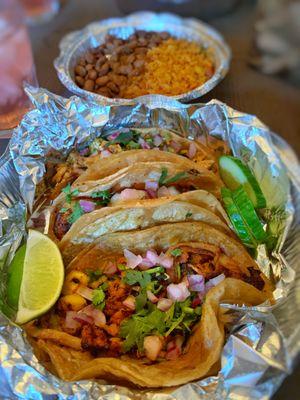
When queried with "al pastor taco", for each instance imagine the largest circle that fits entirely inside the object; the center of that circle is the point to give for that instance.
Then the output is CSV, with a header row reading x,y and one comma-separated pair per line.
x,y
144,307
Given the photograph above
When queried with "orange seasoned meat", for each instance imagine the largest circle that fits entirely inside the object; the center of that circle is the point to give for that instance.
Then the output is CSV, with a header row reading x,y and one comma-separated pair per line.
x,y
115,346
93,337
120,315
115,295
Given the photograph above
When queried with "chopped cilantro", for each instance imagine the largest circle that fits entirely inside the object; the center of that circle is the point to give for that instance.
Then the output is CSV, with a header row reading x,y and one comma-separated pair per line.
x,y
63,210
133,145
178,271
124,138
180,316
164,180
157,290
134,329
141,277
149,140
188,214
164,174
149,320
99,298
141,300
69,192
175,178
176,252
76,213
102,196
93,274
104,286
155,270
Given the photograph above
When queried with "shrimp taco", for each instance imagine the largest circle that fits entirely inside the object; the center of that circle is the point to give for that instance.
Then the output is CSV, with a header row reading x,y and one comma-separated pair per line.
x,y
143,307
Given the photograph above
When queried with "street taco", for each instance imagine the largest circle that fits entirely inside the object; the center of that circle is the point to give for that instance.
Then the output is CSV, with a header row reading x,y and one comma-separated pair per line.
x,y
190,206
139,181
144,307
100,157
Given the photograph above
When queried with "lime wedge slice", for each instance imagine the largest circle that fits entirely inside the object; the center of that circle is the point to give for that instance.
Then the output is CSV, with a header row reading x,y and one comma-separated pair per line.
x,y
14,280
43,276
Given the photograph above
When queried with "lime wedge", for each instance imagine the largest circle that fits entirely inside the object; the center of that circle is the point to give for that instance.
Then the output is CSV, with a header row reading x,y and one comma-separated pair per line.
x,y
14,280
43,276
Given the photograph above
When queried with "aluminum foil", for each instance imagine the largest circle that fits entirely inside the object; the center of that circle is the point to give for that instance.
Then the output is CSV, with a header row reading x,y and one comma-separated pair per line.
x,y
262,346
76,43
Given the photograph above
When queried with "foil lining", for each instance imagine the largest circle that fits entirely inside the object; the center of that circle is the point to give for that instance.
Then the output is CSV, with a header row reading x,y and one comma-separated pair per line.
x,y
262,346
74,44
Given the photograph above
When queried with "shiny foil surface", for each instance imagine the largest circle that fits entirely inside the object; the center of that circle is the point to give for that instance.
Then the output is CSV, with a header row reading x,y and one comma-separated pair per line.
x,y
264,341
74,44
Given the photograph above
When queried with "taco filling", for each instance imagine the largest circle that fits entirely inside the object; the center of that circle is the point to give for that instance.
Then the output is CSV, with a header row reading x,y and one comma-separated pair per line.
x,y
145,305
79,163
75,203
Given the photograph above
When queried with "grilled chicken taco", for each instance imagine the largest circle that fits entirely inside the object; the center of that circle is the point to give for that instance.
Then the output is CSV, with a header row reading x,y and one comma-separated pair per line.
x,y
139,181
144,307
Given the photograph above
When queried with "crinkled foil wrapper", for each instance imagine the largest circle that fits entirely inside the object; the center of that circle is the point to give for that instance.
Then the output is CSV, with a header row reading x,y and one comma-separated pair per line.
x,y
262,347
76,43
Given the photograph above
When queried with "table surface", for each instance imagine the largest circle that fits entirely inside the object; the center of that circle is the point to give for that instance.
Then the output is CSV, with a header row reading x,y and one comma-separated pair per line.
x,y
275,101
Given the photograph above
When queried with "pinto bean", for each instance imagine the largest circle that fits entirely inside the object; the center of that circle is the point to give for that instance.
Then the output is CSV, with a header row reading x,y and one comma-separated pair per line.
x,y
105,69
80,70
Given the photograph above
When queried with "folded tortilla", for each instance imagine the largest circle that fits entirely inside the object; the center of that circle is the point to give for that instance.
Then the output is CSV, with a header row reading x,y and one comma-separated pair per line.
x,y
201,356
98,168
192,176
191,206
161,238
202,352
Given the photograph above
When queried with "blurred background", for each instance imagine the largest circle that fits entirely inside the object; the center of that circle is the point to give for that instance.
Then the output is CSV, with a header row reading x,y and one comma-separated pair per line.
x,y
264,78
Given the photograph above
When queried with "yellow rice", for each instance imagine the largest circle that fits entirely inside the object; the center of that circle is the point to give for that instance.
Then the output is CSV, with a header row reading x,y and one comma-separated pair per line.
x,y
172,68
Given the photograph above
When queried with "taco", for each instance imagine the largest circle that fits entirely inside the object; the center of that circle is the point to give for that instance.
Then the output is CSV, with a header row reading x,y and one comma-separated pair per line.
x,y
100,157
144,307
190,206
103,152
139,181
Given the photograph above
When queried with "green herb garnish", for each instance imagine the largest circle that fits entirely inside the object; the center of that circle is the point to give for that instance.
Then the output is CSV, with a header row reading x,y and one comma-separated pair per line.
x,y
141,300
176,252
93,274
141,277
178,271
102,196
69,193
164,180
133,145
188,214
99,298
163,176
76,213
124,138
134,329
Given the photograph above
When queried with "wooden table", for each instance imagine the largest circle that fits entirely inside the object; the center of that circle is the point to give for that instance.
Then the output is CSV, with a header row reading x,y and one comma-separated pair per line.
x,y
275,101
